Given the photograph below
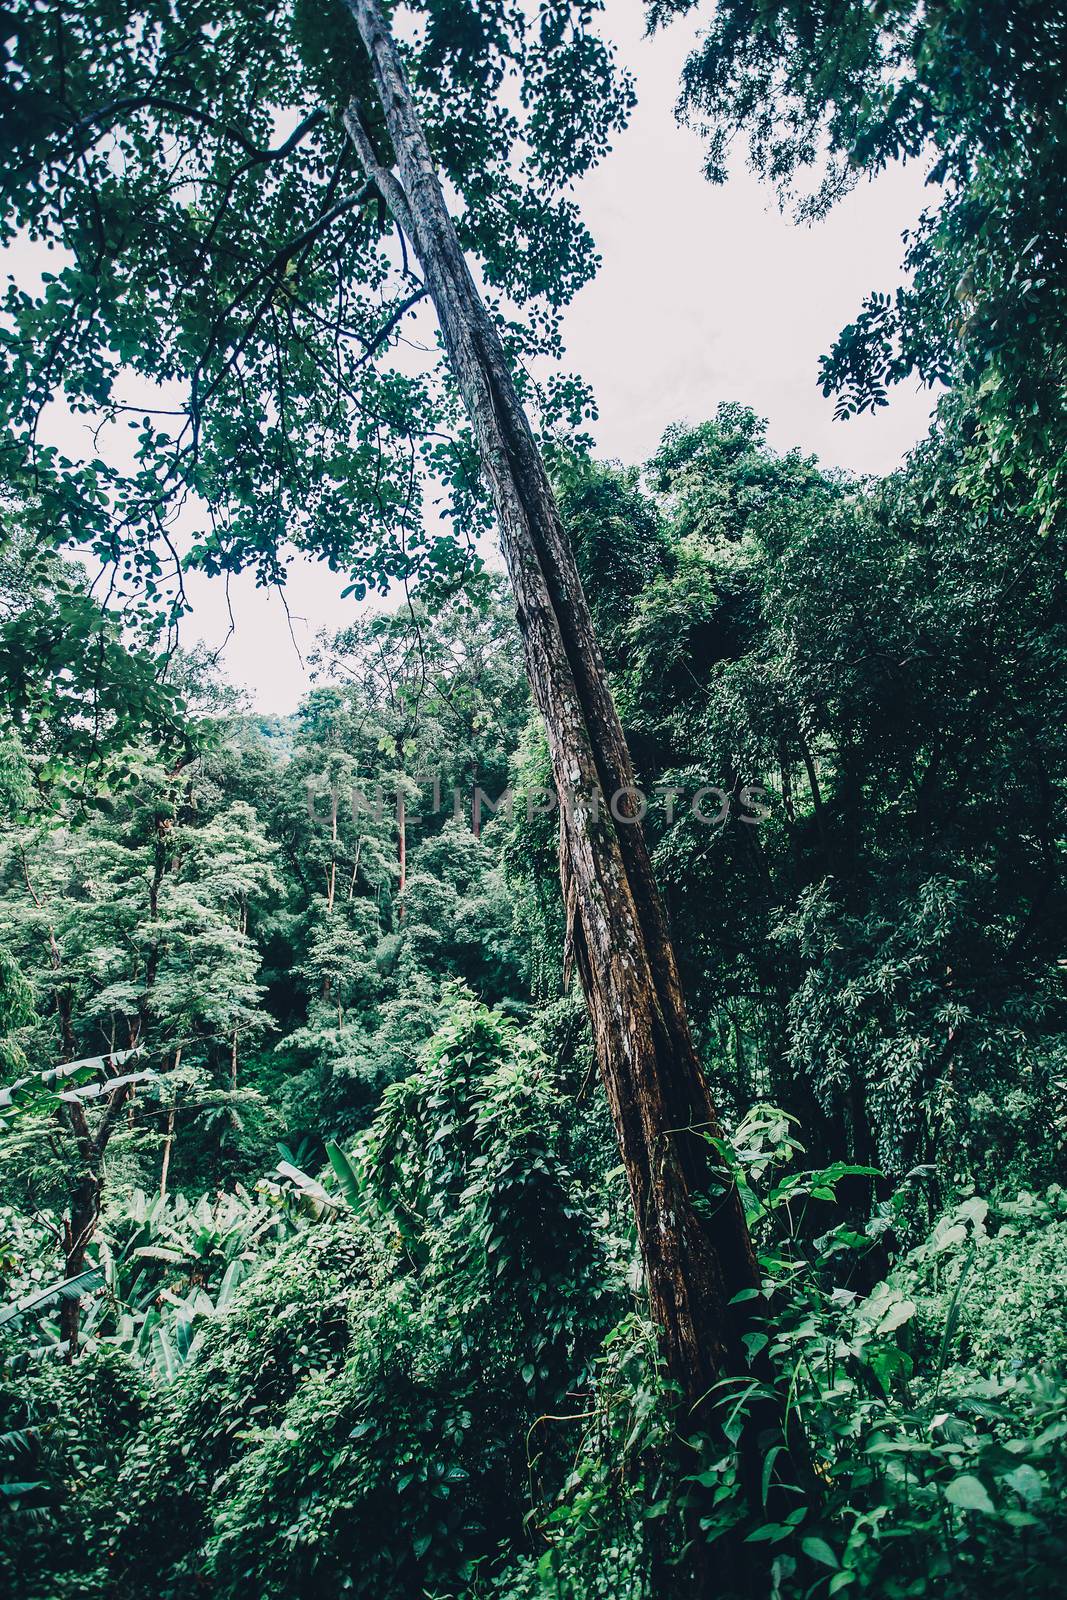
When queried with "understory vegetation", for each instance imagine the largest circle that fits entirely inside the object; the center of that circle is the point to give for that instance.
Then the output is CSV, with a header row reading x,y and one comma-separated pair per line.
x,y
363,1257
381,1152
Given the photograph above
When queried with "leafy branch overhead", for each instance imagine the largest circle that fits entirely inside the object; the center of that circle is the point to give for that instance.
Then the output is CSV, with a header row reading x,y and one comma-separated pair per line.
x,y
826,95
241,252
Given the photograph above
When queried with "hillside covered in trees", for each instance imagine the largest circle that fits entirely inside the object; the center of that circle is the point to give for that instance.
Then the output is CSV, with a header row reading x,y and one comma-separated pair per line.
x,y
578,1110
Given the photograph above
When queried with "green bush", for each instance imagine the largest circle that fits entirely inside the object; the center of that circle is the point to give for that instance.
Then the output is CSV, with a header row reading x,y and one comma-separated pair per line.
x,y
357,1420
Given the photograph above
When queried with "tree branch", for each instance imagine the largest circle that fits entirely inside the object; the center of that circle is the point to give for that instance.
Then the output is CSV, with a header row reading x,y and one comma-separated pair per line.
x,y
391,322
196,114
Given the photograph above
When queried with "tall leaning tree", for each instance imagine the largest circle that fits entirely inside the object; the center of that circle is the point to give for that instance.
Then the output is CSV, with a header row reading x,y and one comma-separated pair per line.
x,y
229,217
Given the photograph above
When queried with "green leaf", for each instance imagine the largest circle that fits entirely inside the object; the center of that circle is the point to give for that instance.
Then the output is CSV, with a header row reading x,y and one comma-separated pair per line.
x,y
767,1532
899,1313
970,1494
1028,1484
35,1305
768,1468
347,1177
818,1550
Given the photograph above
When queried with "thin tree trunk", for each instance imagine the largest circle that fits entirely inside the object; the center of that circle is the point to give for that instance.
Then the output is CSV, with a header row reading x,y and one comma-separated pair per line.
x,y
86,1199
355,868
694,1239
79,1227
401,835
168,1144
80,1222
816,795
331,880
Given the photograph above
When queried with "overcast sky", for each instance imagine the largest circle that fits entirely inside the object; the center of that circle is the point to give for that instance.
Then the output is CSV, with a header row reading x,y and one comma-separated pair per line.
x,y
706,294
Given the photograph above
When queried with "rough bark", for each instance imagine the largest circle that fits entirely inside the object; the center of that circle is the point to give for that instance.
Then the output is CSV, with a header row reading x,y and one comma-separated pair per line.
x,y
694,1240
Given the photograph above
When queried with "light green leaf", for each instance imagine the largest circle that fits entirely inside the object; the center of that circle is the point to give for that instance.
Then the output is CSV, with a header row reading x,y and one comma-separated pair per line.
x,y
970,1494
347,1177
899,1313
1028,1483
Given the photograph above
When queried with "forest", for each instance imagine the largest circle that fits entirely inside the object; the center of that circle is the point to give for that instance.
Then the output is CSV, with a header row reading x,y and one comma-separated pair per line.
x,y
578,1109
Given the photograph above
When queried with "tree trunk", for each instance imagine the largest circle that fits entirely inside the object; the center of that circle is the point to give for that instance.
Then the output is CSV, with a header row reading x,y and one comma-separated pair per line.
x,y
168,1145
355,868
168,1142
694,1239
78,1229
331,879
401,833
86,1198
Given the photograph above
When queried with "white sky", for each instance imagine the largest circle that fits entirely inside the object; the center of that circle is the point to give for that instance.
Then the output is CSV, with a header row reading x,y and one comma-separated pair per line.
x,y
708,293
705,294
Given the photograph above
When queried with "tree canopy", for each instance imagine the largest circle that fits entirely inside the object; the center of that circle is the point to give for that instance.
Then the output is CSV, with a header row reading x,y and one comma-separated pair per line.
x,y
221,292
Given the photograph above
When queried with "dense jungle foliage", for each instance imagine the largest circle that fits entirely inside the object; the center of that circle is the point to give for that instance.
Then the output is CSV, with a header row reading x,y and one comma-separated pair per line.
x,y
318,1268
